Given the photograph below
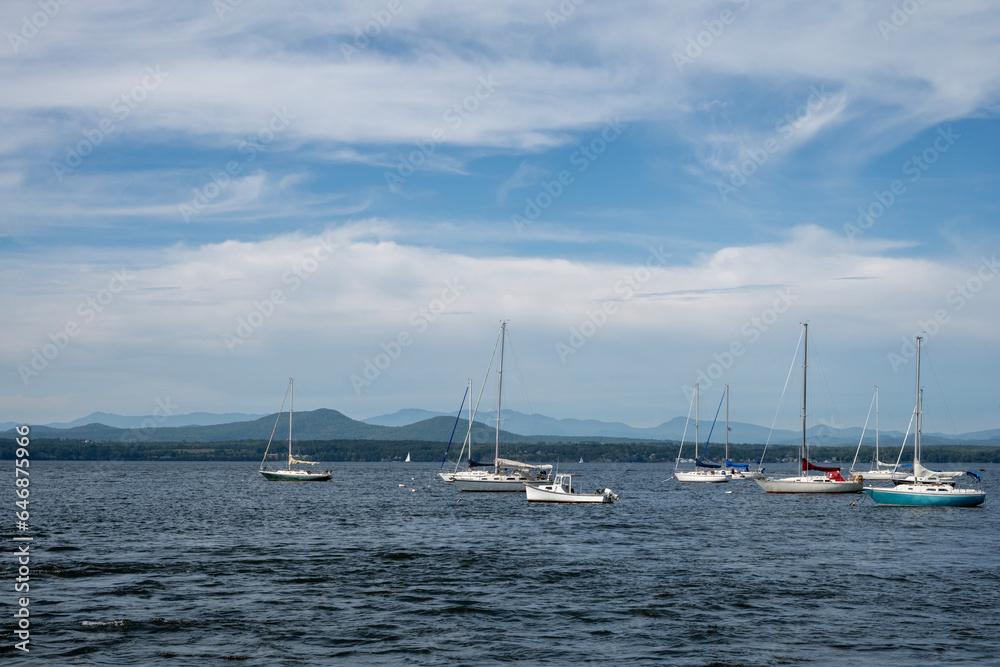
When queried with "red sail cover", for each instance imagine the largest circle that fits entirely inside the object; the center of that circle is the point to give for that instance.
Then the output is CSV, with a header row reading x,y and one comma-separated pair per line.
x,y
812,466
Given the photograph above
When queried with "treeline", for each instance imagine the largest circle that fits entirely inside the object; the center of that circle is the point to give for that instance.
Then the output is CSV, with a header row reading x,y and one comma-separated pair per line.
x,y
425,451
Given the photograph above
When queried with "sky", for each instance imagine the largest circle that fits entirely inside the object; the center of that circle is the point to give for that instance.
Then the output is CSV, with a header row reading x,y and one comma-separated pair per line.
x,y
199,200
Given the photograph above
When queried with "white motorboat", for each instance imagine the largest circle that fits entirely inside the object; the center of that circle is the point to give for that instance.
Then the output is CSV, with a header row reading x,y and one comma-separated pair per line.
x,y
561,491
832,481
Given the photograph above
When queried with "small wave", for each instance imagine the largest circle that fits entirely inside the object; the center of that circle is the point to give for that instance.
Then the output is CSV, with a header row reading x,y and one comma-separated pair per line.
x,y
118,623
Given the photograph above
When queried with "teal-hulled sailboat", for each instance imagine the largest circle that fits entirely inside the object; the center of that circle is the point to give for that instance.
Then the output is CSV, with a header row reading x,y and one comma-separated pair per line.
x,y
925,488
290,474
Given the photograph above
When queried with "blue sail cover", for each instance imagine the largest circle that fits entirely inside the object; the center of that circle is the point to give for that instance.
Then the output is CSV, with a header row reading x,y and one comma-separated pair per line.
x,y
701,464
737,465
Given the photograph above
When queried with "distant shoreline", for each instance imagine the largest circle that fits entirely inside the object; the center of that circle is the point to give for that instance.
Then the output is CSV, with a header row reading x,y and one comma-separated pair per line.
x,y
373,451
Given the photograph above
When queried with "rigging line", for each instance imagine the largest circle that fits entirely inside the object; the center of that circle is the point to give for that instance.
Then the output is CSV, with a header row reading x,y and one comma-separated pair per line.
x,y
705,449
520,378
937,382
276,422
829,393
778,410
863,429
472,420
458,418
684,435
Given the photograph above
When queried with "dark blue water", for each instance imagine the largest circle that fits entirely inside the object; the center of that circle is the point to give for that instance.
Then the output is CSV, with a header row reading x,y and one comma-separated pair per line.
x,y
190,563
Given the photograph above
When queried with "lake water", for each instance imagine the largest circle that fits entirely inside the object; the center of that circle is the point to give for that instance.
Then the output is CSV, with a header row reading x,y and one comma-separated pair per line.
x,y
189,563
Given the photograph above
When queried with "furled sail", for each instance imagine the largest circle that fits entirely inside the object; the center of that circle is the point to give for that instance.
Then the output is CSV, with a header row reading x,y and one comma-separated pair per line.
x,y
806,465
501,463
920,471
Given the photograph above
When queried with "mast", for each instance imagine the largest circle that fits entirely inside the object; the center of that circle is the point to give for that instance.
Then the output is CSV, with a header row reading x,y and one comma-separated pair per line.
x,y
503,330
805,357
916,408
877,462
697,402
726,462
291,409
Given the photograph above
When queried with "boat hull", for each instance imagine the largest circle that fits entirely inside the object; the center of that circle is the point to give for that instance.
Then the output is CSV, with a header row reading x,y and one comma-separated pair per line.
x,y
296,476
493,483
704,477
879,474
490,482
808,485
746,475
908,495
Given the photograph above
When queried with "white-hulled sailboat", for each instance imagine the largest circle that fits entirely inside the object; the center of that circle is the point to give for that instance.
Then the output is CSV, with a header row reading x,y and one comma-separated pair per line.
x,y
832,481
879,470
738,470
926,488
703,472
506,475
290,474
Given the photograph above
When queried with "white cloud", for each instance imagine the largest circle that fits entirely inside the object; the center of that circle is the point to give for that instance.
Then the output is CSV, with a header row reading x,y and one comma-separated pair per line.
x,y
166,334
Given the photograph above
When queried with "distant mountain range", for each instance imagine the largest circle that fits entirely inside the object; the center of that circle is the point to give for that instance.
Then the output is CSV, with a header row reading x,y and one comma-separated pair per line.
x,y
741,432
415,424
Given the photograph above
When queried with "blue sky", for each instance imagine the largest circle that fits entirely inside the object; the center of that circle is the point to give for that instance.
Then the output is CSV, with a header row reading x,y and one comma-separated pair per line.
x,y
201,200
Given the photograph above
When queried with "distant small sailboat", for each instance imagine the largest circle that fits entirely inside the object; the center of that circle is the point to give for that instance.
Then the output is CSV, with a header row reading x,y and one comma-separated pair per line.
x,y
290,474
407,457
581,459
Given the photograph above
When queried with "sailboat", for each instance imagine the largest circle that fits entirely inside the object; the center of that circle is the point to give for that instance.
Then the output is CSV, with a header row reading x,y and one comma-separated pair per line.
x,y
290,474
407,457
703,472
506,475
832,481
737,470
879,470
926,487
